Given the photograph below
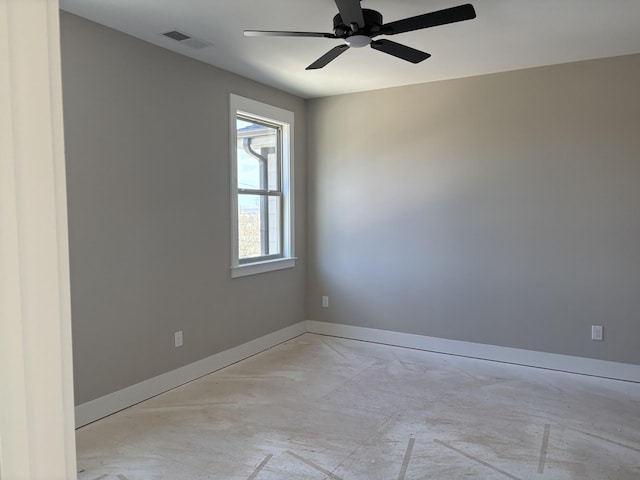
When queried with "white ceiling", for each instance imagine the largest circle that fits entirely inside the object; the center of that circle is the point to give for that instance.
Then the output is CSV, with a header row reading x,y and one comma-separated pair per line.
x,y
506,35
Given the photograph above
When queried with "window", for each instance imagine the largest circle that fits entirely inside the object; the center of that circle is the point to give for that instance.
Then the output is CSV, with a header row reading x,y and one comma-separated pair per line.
x,y
261,187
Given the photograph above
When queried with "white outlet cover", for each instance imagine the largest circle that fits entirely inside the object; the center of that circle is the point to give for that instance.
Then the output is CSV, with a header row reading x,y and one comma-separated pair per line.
x,y
178,339
596,332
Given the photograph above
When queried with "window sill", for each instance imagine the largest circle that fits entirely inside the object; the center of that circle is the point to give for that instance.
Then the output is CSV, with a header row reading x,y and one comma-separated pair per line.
x,y
262,267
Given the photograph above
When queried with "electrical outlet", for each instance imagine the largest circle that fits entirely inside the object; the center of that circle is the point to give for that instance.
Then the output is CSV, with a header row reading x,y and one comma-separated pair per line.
x,y
178,338
597,332
325,301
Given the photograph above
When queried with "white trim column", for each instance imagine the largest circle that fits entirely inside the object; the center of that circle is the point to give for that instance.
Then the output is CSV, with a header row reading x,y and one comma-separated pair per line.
x,y
37,439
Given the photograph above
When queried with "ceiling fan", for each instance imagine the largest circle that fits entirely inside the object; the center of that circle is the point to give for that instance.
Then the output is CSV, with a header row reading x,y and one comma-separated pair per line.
x,y
359,26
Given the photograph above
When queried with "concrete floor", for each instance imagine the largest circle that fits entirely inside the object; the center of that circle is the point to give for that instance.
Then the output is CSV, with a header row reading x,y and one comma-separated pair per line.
x,y
320,407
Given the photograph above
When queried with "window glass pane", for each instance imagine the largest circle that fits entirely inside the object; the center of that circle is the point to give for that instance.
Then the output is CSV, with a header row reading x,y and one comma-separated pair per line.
x,y
274,226
273,172
259,232
249,242
257,151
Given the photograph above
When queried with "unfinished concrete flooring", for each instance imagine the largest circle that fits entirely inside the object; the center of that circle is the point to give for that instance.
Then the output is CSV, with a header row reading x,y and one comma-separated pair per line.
x,y
320,407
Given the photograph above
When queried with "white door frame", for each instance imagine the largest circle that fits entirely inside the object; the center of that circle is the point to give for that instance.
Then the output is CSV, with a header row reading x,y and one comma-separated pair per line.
x,y
37,439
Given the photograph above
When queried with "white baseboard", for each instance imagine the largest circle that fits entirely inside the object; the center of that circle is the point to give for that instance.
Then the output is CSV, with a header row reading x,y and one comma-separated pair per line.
x,y
101,407
551,361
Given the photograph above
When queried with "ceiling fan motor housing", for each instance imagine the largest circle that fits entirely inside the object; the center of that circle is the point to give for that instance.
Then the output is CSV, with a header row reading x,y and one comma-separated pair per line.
x,y
372,24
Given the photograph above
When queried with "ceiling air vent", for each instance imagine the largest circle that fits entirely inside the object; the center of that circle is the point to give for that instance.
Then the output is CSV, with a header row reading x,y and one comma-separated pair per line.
x,y
186,39
176,35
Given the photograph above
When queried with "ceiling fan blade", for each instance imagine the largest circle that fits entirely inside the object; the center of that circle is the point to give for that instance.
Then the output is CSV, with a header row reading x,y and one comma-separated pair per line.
x,y
433,19
272,33
350,12
328,57
401,51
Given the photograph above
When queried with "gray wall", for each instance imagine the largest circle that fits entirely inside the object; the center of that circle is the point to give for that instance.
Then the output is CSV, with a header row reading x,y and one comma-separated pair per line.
x,y
147,142
502,209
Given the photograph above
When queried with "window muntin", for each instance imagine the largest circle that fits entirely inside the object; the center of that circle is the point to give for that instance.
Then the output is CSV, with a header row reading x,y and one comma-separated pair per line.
x,y
262,187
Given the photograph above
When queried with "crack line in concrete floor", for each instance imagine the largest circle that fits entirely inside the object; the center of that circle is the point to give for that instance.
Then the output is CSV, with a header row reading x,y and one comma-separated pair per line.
x,y
543,448
122,477
313,465
405,460
195,406
101,477
624,445
253,377
342,355
260,467
371,437
404,364
471,457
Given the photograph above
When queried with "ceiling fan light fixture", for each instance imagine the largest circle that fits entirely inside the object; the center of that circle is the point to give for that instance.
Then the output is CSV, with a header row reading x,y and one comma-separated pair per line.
x,y
358,41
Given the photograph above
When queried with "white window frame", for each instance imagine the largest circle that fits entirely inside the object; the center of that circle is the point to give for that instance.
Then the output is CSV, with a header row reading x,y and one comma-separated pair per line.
x,y
285,120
